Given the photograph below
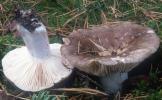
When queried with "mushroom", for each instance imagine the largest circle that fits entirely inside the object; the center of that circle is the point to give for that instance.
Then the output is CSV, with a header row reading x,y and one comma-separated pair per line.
x,y
110,51
38,65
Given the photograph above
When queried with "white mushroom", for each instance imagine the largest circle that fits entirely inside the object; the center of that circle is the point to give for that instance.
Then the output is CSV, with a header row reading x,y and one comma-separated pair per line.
x,y
38,65
110,51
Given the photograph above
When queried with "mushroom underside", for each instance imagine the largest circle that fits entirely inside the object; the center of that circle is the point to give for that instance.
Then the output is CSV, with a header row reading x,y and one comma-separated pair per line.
x,y
32,74
107,49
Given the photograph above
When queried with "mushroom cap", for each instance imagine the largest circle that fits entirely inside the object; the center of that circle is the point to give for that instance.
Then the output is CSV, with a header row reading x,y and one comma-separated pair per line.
x,y
33,74
110,48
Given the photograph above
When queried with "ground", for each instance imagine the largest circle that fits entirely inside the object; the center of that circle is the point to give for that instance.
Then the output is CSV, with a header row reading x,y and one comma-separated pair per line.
x,y
63,16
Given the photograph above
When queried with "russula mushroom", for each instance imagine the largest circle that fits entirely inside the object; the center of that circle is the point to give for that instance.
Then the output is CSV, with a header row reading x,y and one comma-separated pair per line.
x,y
38,65
110,51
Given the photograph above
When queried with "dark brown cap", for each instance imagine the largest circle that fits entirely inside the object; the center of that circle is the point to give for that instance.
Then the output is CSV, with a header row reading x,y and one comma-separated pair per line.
x,y
105,49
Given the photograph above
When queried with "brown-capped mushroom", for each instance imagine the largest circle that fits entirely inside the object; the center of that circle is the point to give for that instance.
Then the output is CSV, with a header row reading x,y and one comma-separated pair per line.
x,y
110,51
38,65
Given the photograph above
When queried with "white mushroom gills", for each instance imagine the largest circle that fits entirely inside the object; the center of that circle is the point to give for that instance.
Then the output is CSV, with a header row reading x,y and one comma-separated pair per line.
x,y
38,65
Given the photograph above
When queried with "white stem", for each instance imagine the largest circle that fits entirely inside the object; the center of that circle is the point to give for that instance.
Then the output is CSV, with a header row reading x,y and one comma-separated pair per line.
x,y
36,42
113,83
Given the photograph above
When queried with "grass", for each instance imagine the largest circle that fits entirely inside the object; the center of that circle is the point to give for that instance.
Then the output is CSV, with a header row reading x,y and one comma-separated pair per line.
x,y
63,16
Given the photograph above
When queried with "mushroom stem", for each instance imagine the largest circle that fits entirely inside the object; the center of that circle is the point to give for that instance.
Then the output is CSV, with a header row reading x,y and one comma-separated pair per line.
x,y
113,83
36,42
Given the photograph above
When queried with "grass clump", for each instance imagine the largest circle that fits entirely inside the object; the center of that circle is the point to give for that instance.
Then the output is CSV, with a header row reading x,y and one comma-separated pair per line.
x,y
43,95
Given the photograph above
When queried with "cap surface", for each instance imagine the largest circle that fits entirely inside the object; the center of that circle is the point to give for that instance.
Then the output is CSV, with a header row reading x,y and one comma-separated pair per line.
x,y
117,47
32,74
